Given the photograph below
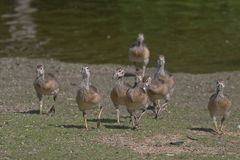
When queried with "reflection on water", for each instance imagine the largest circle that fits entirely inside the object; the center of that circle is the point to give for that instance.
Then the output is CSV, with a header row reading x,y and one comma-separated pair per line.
x,y
194,36
21,22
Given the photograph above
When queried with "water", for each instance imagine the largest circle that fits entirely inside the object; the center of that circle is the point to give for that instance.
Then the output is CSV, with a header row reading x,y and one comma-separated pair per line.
x,y
195,35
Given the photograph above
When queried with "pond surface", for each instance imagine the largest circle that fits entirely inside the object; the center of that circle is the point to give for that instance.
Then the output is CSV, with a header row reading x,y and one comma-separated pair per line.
x,y
195,36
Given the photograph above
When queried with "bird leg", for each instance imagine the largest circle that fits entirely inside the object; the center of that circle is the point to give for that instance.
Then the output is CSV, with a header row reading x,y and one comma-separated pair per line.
x,y
85,119
221,126
118,117
51,111
40,103
99,117
145,63
144,69
133,120
215,124
143,112
164,107
159,108
41,106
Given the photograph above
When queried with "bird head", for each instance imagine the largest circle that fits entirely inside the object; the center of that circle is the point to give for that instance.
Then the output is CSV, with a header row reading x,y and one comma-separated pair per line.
x,y
85,72
147,80
119,73
220,85
140,37
161,60
40,70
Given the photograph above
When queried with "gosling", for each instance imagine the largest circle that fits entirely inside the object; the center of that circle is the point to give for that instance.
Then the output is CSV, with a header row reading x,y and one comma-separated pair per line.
x,y
162,86
156,91
119,91
164,75
137,99
45,84
88,97
219,105
139,53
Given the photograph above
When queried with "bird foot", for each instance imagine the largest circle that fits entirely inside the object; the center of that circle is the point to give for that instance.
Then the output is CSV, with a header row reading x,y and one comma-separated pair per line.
x,y
217,132
221,132
135,128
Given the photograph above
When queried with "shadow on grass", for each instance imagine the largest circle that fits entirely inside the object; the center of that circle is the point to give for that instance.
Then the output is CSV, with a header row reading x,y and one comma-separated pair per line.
x,y
68,126
207,130
125,117
116,126
104,120
34,111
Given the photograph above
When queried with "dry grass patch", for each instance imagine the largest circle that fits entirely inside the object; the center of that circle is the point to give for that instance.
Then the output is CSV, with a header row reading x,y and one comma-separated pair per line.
x,y
160,144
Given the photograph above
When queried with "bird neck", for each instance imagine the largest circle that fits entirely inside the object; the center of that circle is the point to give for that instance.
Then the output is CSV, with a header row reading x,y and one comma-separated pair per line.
x,y
142,86
140,43
144,89
220,92
120,81
86,82
40,76
160,72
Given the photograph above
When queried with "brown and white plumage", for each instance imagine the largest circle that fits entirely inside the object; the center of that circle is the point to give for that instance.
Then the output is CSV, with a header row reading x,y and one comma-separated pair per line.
x,y
45,84
219,105
119,91
88,96
161,87
139,52
137,99
164,75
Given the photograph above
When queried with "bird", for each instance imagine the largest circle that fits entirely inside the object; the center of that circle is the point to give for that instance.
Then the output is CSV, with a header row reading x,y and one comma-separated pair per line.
x,y
162,87
119,91
156,91
88,96
139,53
164,75
219,105
45,84
137,99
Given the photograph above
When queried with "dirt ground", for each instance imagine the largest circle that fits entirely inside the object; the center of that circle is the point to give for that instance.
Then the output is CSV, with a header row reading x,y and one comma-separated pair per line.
x,y
17,75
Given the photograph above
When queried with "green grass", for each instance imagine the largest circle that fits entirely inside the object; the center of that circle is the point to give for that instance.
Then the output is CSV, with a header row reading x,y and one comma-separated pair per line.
x,y
31,136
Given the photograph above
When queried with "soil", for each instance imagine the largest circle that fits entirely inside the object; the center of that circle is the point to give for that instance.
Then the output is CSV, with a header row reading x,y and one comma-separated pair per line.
x,y
17,75
159,144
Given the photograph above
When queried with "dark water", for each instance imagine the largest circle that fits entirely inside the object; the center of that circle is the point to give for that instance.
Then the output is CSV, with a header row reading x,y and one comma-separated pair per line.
x,y
194,35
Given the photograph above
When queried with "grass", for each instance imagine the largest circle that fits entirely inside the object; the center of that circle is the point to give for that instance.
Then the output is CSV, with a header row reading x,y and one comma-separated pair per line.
x,y
24,134
31,136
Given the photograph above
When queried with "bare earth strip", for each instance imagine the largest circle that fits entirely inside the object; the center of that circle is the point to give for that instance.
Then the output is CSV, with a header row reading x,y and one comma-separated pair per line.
x,y
17,75
159,144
